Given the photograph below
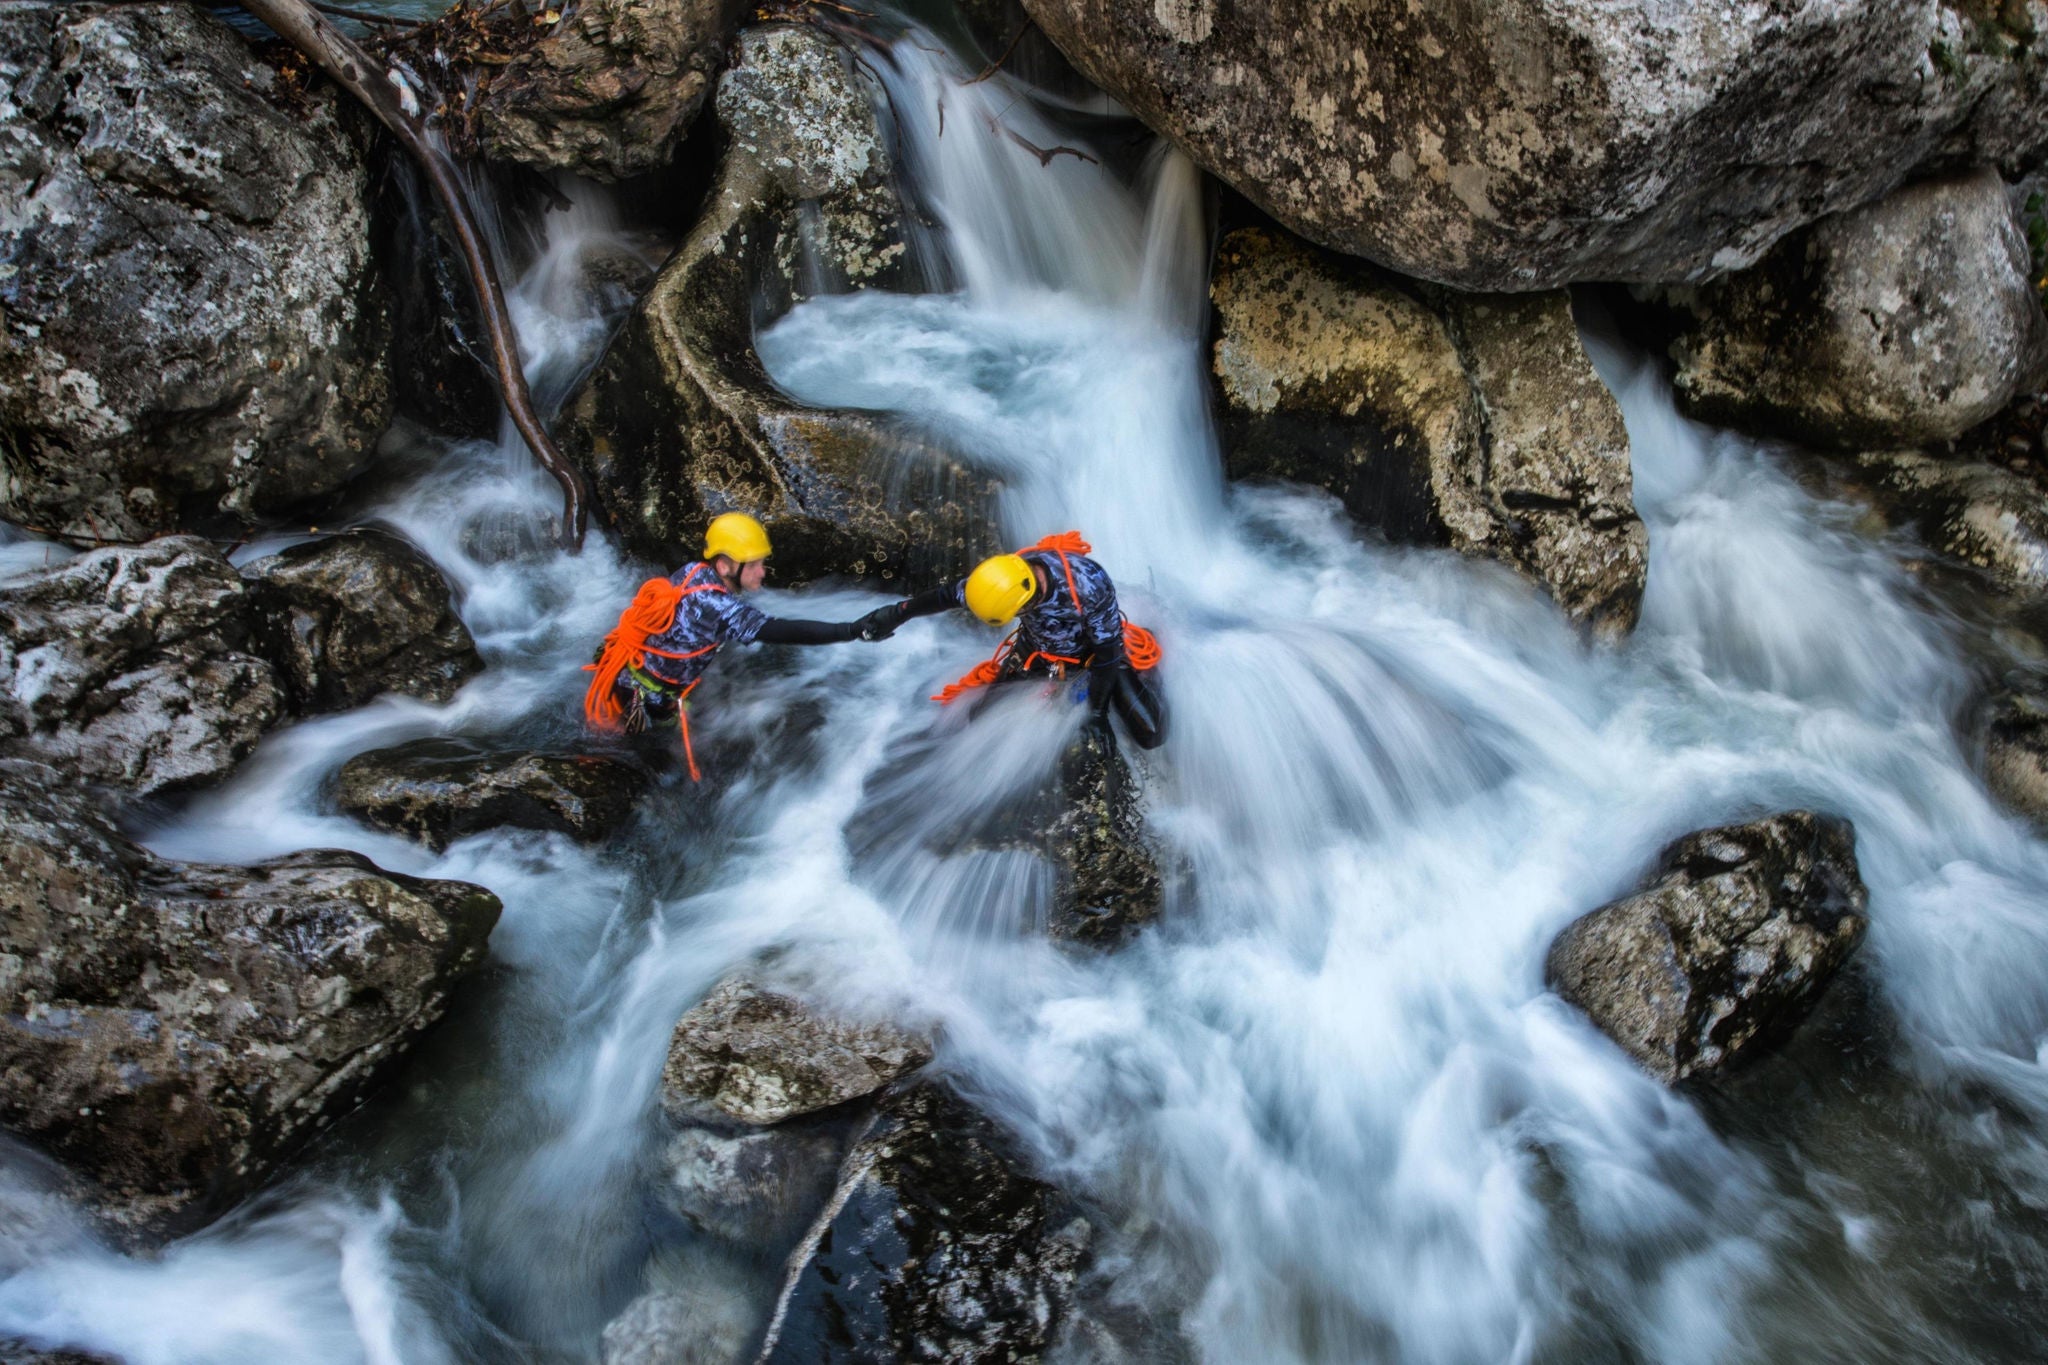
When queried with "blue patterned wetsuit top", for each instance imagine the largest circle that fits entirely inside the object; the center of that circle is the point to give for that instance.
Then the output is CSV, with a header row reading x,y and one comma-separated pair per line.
x,y
1052,626
703,620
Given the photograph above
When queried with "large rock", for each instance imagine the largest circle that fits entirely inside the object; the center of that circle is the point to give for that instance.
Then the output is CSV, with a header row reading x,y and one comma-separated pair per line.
x,y
2016,752
680,421
441,790
358,614
1107,884
173,1030
1476,422
936,1246
1989,518
1902,324
134,668
608,91
753,1055
192,331
1726,947
1526,144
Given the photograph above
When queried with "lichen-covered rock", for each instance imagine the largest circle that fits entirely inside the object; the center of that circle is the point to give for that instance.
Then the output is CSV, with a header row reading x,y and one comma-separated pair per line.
x,y
2016,753
1725,948
1108,885
758,1056
192,331
441,790
936,1246
133,668
1989,518
679,421
608,91
1474,421
172,1030
1526,144
1902,324
353,615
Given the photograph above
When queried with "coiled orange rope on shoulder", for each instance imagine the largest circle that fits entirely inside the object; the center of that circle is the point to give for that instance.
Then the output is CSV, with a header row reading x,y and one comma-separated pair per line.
x,y
1140,647
652,611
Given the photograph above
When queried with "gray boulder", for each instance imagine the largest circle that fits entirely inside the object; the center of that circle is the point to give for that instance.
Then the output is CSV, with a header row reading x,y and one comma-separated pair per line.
x,y
192,327
1725,947
441,790
1987,517
1902,324
609,91
134,668
1475,422
1523,145
2016,752
353,615
936,1245
756,1189
757,1056
679,421
174,1030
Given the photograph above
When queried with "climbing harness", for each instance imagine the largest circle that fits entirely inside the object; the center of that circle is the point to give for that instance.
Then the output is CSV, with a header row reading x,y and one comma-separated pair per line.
x,y
1139,645
652,611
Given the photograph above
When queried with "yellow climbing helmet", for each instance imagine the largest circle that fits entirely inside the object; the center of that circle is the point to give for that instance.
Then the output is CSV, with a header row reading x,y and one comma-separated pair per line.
x,y
737,536
999,587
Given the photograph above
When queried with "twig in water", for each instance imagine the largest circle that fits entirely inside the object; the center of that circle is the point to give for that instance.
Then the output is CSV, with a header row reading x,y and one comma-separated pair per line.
x,y
1044,154
997,64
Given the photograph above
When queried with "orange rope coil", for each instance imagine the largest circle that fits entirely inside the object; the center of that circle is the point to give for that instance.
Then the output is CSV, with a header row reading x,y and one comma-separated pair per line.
x,y
652,611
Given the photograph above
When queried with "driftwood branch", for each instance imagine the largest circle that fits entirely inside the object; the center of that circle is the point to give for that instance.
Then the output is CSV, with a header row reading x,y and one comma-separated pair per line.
x,y
388,95
1008,48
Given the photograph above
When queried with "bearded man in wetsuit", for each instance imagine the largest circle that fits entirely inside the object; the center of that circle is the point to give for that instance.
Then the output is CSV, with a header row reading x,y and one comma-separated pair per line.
x,y
675,626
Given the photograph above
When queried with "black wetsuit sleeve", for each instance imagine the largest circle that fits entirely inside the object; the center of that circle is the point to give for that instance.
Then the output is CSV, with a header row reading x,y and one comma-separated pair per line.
x,y
932,601
782,630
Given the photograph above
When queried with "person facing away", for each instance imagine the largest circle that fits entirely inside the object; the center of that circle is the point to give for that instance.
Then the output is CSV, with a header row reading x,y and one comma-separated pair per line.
x,y
669,634
1068,624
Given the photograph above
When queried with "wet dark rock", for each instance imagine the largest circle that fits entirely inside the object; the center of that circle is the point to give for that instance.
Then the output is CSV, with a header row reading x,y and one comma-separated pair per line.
x,y
173,1030
757,1189
441,369
607,92
1724,949
354,615
1473,421
755,1055
1519,146
1982,515
680,421
193,331
133,668
440,790
1905,323
936,1245
2016,752
1109,884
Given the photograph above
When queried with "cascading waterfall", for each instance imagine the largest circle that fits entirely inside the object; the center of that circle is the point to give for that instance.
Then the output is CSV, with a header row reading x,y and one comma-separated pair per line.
x,y
1326,1112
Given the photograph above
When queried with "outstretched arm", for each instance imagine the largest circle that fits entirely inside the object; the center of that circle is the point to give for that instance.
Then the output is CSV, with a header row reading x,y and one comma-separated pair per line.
x,y
788,630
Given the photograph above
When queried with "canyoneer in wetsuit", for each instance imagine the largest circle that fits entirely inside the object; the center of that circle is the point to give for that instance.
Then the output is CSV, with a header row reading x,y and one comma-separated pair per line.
x,y
668,635
1068,625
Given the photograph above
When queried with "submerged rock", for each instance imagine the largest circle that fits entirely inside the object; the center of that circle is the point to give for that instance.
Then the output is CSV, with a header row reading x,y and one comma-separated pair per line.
x,y
1477,422
936,1245
676,1329
1109,884
609,91
441,790
173,1030
354,615
134,668
1902,324
757,1056
679,421
192,326
1523,145
755,1189
1725,949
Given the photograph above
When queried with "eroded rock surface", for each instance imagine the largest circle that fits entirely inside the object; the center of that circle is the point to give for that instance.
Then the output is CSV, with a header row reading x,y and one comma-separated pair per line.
x,y
1902,324
937,1245
1726,947
133,668
441,790
1525,145
358,614
191,327
753,1055
680,421
173,1029
609,91
1476,422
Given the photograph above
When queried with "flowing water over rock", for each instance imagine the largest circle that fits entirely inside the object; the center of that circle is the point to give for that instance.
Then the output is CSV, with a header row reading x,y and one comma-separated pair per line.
x,y
1325,1110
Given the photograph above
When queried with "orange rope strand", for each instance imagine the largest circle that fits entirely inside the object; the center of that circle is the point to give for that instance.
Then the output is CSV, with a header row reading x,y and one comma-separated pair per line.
x,y
652,611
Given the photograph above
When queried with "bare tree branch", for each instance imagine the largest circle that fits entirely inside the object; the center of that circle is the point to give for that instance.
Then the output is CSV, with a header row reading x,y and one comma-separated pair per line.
x,y
391,97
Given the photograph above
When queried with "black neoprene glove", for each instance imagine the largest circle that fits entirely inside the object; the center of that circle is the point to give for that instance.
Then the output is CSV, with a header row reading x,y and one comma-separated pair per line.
x,y
881,623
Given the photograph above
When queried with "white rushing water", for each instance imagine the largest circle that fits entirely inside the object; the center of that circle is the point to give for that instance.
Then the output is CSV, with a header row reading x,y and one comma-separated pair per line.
x,y
1326,1111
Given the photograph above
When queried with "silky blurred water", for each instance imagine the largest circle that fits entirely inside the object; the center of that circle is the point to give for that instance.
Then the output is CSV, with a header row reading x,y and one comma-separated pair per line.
x,y
1326,1110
